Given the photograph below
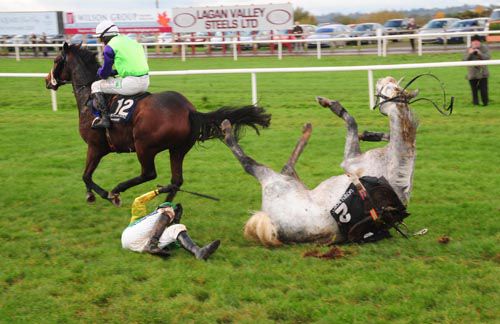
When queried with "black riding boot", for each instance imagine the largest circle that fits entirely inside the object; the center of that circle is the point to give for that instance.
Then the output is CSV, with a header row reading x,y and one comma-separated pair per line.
x,y
199,253
152,246
101,105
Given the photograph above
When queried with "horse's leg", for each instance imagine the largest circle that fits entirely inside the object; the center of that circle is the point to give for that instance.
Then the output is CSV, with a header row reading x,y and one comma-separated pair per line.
x,y
249,165
351,149
176,160
148,172
289,168
374,136
94,156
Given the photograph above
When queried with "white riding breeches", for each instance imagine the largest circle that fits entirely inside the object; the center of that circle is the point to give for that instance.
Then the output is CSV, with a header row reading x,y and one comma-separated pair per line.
x,y
127,86
137,236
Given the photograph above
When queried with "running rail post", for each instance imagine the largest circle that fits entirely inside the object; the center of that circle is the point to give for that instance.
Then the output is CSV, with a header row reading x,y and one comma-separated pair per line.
x,y
183,52
379,42
235,51
419,39
384,47
254,88
370,89
280,50
318,50
18,56
54,100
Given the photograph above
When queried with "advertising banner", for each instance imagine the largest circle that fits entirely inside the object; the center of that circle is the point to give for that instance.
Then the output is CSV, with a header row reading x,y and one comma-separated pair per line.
x,y
127,22
27,23
232,18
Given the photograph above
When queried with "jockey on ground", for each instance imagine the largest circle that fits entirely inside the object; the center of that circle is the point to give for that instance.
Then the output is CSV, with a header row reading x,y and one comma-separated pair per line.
x,y
154,232
131,74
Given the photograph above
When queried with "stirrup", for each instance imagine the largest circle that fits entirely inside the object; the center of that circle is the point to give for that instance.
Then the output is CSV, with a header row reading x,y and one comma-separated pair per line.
x,y
100,122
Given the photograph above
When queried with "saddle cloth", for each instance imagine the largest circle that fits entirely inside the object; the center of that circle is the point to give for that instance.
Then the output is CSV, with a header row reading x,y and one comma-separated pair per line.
x,y
361,215
122,107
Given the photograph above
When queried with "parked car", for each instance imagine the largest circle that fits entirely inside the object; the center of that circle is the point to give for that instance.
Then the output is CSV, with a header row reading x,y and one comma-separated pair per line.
x,y
440,25
494,24
329,31
165,38
78,39
466,25
17,39
396,26
308,29
230,36
366,30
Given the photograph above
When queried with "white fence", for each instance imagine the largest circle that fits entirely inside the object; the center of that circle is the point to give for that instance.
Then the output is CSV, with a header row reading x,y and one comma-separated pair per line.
x,y
253,73
382,43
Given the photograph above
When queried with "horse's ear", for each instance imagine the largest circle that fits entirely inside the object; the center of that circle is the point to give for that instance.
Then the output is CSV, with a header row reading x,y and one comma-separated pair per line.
x,y
65,47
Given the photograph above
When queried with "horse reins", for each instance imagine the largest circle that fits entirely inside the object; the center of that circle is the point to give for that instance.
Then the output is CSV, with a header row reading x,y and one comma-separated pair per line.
x,y
403,99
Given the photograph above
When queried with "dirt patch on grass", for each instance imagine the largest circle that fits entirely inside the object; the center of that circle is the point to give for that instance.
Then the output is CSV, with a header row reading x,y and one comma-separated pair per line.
x,y
333,253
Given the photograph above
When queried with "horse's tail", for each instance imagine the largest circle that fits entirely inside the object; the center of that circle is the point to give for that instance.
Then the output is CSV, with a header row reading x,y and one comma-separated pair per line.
x,y
260,228
205,126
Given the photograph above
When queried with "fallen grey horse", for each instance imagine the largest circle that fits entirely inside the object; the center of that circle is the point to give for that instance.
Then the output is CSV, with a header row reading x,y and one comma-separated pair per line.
x,y
292,213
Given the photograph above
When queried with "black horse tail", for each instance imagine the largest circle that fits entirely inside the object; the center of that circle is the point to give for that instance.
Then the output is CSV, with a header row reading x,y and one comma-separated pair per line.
x,y
205,126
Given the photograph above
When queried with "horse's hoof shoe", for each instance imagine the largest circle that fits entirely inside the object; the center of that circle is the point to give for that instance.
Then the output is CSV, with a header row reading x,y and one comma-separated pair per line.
x,y
90,198
225,126
116,201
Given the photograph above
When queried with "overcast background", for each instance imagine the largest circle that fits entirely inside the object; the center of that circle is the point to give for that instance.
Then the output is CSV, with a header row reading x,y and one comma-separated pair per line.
x,y
317,7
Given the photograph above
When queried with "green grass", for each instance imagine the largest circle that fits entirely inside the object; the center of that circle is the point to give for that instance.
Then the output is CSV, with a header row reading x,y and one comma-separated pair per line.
x,y
61,260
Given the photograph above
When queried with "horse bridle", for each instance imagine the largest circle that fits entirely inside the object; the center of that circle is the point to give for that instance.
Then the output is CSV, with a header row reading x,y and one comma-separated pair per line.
x,y
55,73
402,98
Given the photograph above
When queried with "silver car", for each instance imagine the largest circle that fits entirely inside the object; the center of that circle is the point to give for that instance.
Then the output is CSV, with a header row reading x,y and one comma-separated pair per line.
x,y
366,30
329,31
440,25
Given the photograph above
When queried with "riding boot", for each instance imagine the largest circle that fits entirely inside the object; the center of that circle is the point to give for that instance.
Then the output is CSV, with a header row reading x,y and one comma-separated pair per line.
x,y
200,253
101,105
152,246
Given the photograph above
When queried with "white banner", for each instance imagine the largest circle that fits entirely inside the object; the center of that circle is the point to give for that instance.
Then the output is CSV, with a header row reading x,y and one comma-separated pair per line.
x,y
232,18
27,23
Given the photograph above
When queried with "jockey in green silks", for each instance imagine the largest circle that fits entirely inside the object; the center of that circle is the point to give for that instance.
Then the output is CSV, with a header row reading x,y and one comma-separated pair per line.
x,y
154,232
130,74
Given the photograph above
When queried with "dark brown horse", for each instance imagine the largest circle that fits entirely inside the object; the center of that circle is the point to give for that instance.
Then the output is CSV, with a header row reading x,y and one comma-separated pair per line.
x,y
161,121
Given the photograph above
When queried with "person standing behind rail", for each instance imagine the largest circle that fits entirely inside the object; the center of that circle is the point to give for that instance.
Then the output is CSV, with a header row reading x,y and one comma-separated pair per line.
x,y
478,75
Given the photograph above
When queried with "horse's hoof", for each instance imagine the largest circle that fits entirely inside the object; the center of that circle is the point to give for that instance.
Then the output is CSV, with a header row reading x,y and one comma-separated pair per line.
x,y
90,198
324,102
115,199
226,126
307,128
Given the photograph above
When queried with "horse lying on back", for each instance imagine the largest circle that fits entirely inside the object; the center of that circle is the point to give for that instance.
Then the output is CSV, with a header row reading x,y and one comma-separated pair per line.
x,y
376,183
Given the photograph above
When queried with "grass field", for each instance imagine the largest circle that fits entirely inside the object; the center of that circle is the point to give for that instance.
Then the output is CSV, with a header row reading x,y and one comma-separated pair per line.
x,y
61,260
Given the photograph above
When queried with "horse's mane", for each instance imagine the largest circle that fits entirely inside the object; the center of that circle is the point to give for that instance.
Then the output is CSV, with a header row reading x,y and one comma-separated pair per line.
x,y
88,57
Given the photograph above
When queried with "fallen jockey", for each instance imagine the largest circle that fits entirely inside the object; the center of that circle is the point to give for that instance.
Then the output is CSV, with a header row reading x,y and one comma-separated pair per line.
x,y
154,232
131,74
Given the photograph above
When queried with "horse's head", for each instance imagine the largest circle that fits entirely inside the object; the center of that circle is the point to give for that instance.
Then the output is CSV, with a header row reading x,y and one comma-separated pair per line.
x,y
60,73
389,90
66,62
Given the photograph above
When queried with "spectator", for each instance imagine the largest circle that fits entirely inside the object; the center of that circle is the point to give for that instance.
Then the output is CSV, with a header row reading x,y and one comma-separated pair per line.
x,y
412,27
33,41
298,32
478,75
43,40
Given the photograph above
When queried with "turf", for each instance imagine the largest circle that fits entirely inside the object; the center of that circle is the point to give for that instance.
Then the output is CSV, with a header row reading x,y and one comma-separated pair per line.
x,y
61,260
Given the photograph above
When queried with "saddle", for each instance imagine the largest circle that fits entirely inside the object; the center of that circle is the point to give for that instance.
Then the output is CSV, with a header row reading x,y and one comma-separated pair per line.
x,y
121,108
368,209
